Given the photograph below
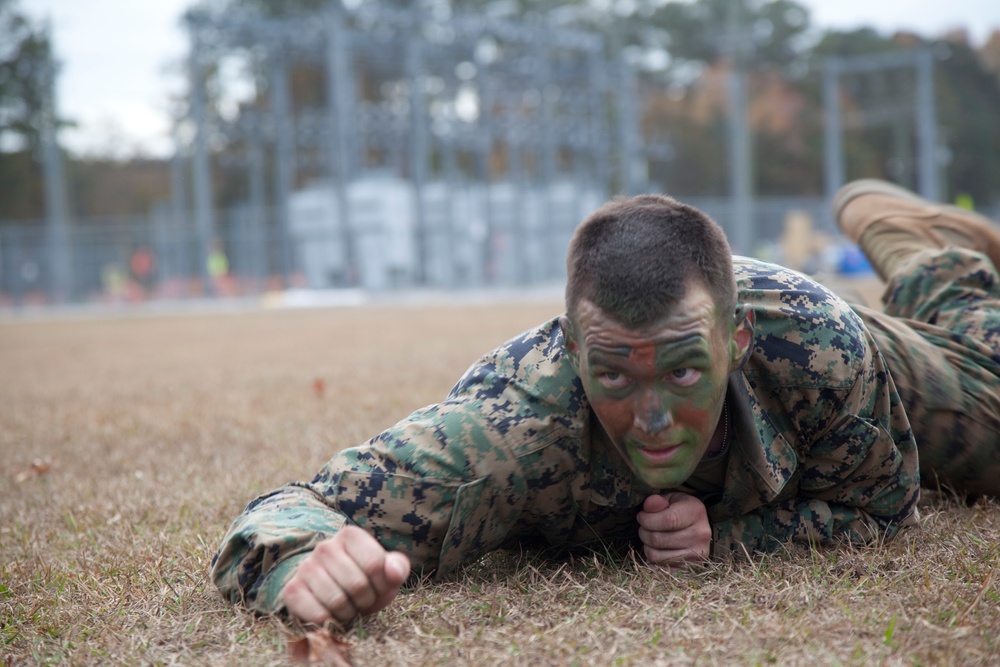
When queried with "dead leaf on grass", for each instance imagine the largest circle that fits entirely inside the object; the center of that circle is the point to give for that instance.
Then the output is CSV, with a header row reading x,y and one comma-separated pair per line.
x,y
38,468
320,649
319,387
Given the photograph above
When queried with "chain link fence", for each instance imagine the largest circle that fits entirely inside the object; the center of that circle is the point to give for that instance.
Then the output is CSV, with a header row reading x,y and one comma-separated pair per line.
x,y
475,237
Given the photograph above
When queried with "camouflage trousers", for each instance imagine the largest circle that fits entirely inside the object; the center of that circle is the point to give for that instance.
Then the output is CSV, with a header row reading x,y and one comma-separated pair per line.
x,y
939,331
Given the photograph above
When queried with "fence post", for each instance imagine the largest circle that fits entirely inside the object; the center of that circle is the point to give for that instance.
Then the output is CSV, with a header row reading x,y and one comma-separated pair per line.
x,y
927,126
60,259
201,168
340,112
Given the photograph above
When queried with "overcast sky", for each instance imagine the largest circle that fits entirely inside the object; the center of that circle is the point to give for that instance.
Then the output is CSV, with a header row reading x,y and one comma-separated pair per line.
x,y
121,59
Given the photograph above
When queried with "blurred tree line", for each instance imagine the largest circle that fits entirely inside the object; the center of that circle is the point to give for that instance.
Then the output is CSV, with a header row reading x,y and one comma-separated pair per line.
x,y
24,55
684,49
98,185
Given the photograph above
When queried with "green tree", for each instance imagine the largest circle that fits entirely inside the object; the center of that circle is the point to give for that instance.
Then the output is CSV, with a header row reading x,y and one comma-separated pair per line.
x,y
24,59
968,110
847,43
763,33
703,38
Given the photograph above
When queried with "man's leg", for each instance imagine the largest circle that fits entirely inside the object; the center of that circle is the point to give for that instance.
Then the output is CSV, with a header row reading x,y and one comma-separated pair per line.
x,y
940,332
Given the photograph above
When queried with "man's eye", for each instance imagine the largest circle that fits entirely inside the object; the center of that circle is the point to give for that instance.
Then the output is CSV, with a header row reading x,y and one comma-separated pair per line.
x,y
613,380
685,376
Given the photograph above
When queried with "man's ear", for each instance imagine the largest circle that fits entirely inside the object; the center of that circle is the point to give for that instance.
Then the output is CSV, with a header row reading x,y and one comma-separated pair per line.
x,y
569,339
741,342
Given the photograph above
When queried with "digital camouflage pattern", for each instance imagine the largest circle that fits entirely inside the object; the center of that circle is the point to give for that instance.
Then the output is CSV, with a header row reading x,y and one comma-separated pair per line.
x,y
940,335
821,449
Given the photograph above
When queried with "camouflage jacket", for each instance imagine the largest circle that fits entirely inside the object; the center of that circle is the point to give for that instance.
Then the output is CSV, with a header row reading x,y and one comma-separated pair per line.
x,y
822,449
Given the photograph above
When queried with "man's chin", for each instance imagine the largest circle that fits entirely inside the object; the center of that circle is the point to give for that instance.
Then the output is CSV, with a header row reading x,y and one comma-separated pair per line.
x,y
661,478
657,476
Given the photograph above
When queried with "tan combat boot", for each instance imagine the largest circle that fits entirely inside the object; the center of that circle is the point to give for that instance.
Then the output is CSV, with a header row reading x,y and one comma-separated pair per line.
x,y
891,223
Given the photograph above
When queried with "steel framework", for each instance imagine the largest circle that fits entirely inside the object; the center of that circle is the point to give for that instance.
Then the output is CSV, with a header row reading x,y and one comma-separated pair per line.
x,y
424,95
920,102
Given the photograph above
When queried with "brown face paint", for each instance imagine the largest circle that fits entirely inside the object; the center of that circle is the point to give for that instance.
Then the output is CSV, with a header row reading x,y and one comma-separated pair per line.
x,y
643,355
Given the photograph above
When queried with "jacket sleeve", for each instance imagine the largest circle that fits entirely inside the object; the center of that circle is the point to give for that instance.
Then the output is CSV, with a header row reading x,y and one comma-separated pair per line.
x,y
263,547
439,486
855,474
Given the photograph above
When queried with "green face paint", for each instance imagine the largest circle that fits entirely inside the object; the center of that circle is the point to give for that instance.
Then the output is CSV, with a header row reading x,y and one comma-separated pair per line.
x,y
657,392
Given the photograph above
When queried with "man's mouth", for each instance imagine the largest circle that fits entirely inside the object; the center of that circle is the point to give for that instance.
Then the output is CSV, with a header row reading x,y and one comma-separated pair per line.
x,y
656,453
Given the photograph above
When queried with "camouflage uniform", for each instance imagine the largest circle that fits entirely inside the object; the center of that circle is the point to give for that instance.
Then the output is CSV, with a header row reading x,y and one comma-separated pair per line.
x,y
940,335
821,449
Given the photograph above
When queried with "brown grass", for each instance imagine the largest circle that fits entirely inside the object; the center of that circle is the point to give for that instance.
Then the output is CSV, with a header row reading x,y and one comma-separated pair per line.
x,y
160,429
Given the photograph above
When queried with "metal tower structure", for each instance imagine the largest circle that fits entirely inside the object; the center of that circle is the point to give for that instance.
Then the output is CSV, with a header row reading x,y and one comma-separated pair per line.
x,y
424,95
919,104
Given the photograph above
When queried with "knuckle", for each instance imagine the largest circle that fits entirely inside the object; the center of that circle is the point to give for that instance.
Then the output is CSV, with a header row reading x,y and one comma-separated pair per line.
x,y
670,521
655,556
363,599
347,529
338,600
654,539
327,548
293,590
369,557
297,602
337,604
353,583
307,570
351,533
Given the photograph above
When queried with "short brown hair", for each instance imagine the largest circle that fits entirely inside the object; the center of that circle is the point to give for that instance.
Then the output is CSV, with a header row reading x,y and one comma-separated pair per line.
x,y
634,258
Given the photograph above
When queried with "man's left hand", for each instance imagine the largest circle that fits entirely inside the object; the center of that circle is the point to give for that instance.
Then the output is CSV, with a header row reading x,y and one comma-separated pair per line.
x,y
674,529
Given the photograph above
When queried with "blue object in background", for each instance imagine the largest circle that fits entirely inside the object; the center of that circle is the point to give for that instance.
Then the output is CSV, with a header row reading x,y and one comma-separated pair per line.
x,y
853,262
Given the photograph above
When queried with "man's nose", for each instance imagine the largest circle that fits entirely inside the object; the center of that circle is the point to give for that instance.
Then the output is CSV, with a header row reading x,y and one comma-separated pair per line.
x,y
652,417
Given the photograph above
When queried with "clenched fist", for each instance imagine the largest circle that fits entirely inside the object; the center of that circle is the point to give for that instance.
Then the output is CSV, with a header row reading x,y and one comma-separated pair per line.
x,y
674,529
346,576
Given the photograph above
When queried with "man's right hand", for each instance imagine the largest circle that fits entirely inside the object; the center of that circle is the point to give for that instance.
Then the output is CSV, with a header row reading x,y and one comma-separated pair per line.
x,y
346,576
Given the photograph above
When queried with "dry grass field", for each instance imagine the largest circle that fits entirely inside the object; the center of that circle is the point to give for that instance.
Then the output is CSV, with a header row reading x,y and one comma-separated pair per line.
x,y
153,432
